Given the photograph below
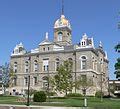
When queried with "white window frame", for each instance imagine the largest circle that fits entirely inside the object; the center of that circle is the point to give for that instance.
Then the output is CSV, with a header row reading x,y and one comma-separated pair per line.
x,y
81,61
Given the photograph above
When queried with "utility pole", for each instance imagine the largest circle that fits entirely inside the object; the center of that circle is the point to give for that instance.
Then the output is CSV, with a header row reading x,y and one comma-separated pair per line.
x,y
28,99
74,53
101,82
48,84
101,89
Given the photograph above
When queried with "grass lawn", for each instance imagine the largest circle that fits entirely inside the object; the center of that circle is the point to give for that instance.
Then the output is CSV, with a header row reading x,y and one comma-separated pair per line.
x,y
70,102
9,100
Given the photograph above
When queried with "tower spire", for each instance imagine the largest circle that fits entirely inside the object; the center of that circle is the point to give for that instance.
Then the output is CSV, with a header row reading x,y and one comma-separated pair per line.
x,y
62,7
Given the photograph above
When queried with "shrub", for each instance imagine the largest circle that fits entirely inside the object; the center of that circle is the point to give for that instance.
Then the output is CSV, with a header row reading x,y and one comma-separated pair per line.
x,y
74,95
39,96
1,95
98,94
106,96
51,93
58,98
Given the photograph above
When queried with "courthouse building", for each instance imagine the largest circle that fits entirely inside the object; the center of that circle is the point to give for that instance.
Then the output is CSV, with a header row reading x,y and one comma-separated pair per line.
x,y
88,61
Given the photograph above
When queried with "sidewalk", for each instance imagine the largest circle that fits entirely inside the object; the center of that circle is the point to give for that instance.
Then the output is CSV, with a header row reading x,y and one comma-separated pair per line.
x,y
11,106
8,106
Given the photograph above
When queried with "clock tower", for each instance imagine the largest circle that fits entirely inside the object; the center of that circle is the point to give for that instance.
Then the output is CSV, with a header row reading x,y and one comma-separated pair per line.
x,y
62,31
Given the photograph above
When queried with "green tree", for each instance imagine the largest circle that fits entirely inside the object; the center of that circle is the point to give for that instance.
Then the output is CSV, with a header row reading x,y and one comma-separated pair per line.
x,y
62,81
84,83
12,77
117,48
117,68
117,64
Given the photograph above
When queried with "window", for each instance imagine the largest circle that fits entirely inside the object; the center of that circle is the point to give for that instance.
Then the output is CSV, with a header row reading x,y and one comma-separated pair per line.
x,y
45,82
48,48
15,67
45,64
95,65
43,49
35,80
60,34
35,66
15,81
83,63
15,70
83,43
20,49
101,65
26,67
70,59
57,64
26,81
68,34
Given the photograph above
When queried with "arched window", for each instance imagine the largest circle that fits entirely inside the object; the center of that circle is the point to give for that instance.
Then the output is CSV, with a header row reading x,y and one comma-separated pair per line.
x,y
35,66
15,67
101,65
26,66
35,80
45,82
20,49
25,81
60,34
15,81
83,62
70,59
95,65
57,63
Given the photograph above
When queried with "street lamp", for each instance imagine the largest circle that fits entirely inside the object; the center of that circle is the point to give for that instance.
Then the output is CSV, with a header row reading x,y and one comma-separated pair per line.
x,y
28,99
74,53
85,99
101,81
48,88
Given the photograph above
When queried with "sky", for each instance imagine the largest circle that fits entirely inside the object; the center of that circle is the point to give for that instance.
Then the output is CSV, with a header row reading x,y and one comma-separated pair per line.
x,y
27,21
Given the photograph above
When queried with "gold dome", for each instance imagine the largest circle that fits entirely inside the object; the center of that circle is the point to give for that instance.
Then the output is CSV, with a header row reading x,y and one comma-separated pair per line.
x,y
62,22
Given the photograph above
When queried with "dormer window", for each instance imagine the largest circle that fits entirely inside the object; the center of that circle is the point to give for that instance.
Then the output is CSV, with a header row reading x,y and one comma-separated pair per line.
x,y
20,49
83,43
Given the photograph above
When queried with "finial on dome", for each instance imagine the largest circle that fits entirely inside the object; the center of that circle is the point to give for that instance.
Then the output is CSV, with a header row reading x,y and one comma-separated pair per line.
x,y
46,36
20,43
62,7
106,56
100,45
84,35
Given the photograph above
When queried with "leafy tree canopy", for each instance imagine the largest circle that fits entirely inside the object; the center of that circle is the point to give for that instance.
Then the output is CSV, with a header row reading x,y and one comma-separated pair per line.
x,y
62,81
